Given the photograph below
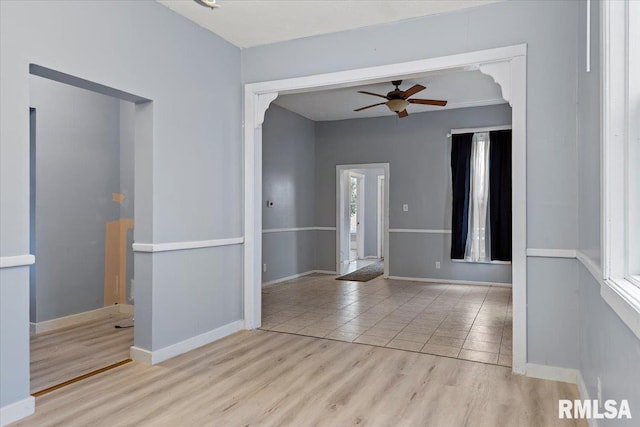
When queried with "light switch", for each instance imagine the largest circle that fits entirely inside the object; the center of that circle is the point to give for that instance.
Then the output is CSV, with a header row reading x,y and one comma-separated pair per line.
x,y
405,208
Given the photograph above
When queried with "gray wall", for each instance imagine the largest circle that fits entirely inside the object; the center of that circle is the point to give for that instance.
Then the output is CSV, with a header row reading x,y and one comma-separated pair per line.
x,y
418,152
77,170
588,139
551,72
192,167
288,179
607,348
550,31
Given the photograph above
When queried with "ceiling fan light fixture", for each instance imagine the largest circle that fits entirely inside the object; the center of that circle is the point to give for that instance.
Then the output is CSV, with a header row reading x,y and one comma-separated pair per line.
x,y
208,3
397,105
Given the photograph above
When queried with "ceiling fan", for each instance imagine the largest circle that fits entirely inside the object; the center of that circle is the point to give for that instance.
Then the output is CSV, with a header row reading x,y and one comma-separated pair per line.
x,y
398,101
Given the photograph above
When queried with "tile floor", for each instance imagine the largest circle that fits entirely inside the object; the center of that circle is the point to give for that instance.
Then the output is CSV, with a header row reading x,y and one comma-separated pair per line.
x,y
460,321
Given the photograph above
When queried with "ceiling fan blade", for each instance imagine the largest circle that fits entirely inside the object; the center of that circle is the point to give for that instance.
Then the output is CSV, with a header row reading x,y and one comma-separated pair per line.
x,y
369,106
403,113
371,93
428,102
412,91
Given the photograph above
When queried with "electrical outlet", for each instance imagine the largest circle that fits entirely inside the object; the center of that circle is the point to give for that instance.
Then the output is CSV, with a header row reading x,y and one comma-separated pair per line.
x,y
264,268
438,264
405,208
599,392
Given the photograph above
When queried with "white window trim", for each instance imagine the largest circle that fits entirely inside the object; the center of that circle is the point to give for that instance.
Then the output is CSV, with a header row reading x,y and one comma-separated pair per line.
x,y
617,288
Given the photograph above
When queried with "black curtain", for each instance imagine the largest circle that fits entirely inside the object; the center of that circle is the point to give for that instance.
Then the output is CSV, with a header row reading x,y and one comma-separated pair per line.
x,y
500,194
460,171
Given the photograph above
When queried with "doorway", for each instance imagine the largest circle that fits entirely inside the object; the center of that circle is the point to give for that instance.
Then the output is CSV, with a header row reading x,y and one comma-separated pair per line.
x,y
357,231
506,65
82,167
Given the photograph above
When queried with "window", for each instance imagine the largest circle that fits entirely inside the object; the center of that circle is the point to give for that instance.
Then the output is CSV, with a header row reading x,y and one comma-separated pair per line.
x,y
621,160
481,183
478,247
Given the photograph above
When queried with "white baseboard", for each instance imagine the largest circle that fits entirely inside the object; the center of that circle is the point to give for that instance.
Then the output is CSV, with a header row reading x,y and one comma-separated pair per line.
x,y
17,410
584,395
284,279
296,276
154,357
555,373
449,281
141,355
76,319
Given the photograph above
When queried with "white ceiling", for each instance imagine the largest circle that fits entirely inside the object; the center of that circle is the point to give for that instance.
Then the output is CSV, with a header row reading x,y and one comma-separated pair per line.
x,y
460,88
247,23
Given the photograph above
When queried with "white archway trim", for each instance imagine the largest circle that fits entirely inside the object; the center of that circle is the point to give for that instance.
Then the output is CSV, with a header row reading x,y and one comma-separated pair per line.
x,y
500,72
506,65
264,100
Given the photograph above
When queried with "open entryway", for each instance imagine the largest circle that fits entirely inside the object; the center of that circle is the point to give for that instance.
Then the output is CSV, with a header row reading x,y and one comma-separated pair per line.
x,y
427,298
360,206
82,203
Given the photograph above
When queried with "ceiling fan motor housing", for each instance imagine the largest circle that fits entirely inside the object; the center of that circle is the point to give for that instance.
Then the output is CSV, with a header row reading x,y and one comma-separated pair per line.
x,y
397,104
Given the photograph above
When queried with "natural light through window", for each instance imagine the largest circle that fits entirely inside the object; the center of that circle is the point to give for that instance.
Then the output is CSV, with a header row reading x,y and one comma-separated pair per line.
x,y
620,160
479,239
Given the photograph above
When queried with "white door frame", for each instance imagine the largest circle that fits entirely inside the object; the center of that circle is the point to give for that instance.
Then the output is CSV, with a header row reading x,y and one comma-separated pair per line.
x,y
379,215
361,179
508,68
341,172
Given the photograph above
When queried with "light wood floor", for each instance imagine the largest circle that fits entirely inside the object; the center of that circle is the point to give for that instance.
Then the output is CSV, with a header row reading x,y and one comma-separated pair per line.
x,y
462,321
278,379
61,355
